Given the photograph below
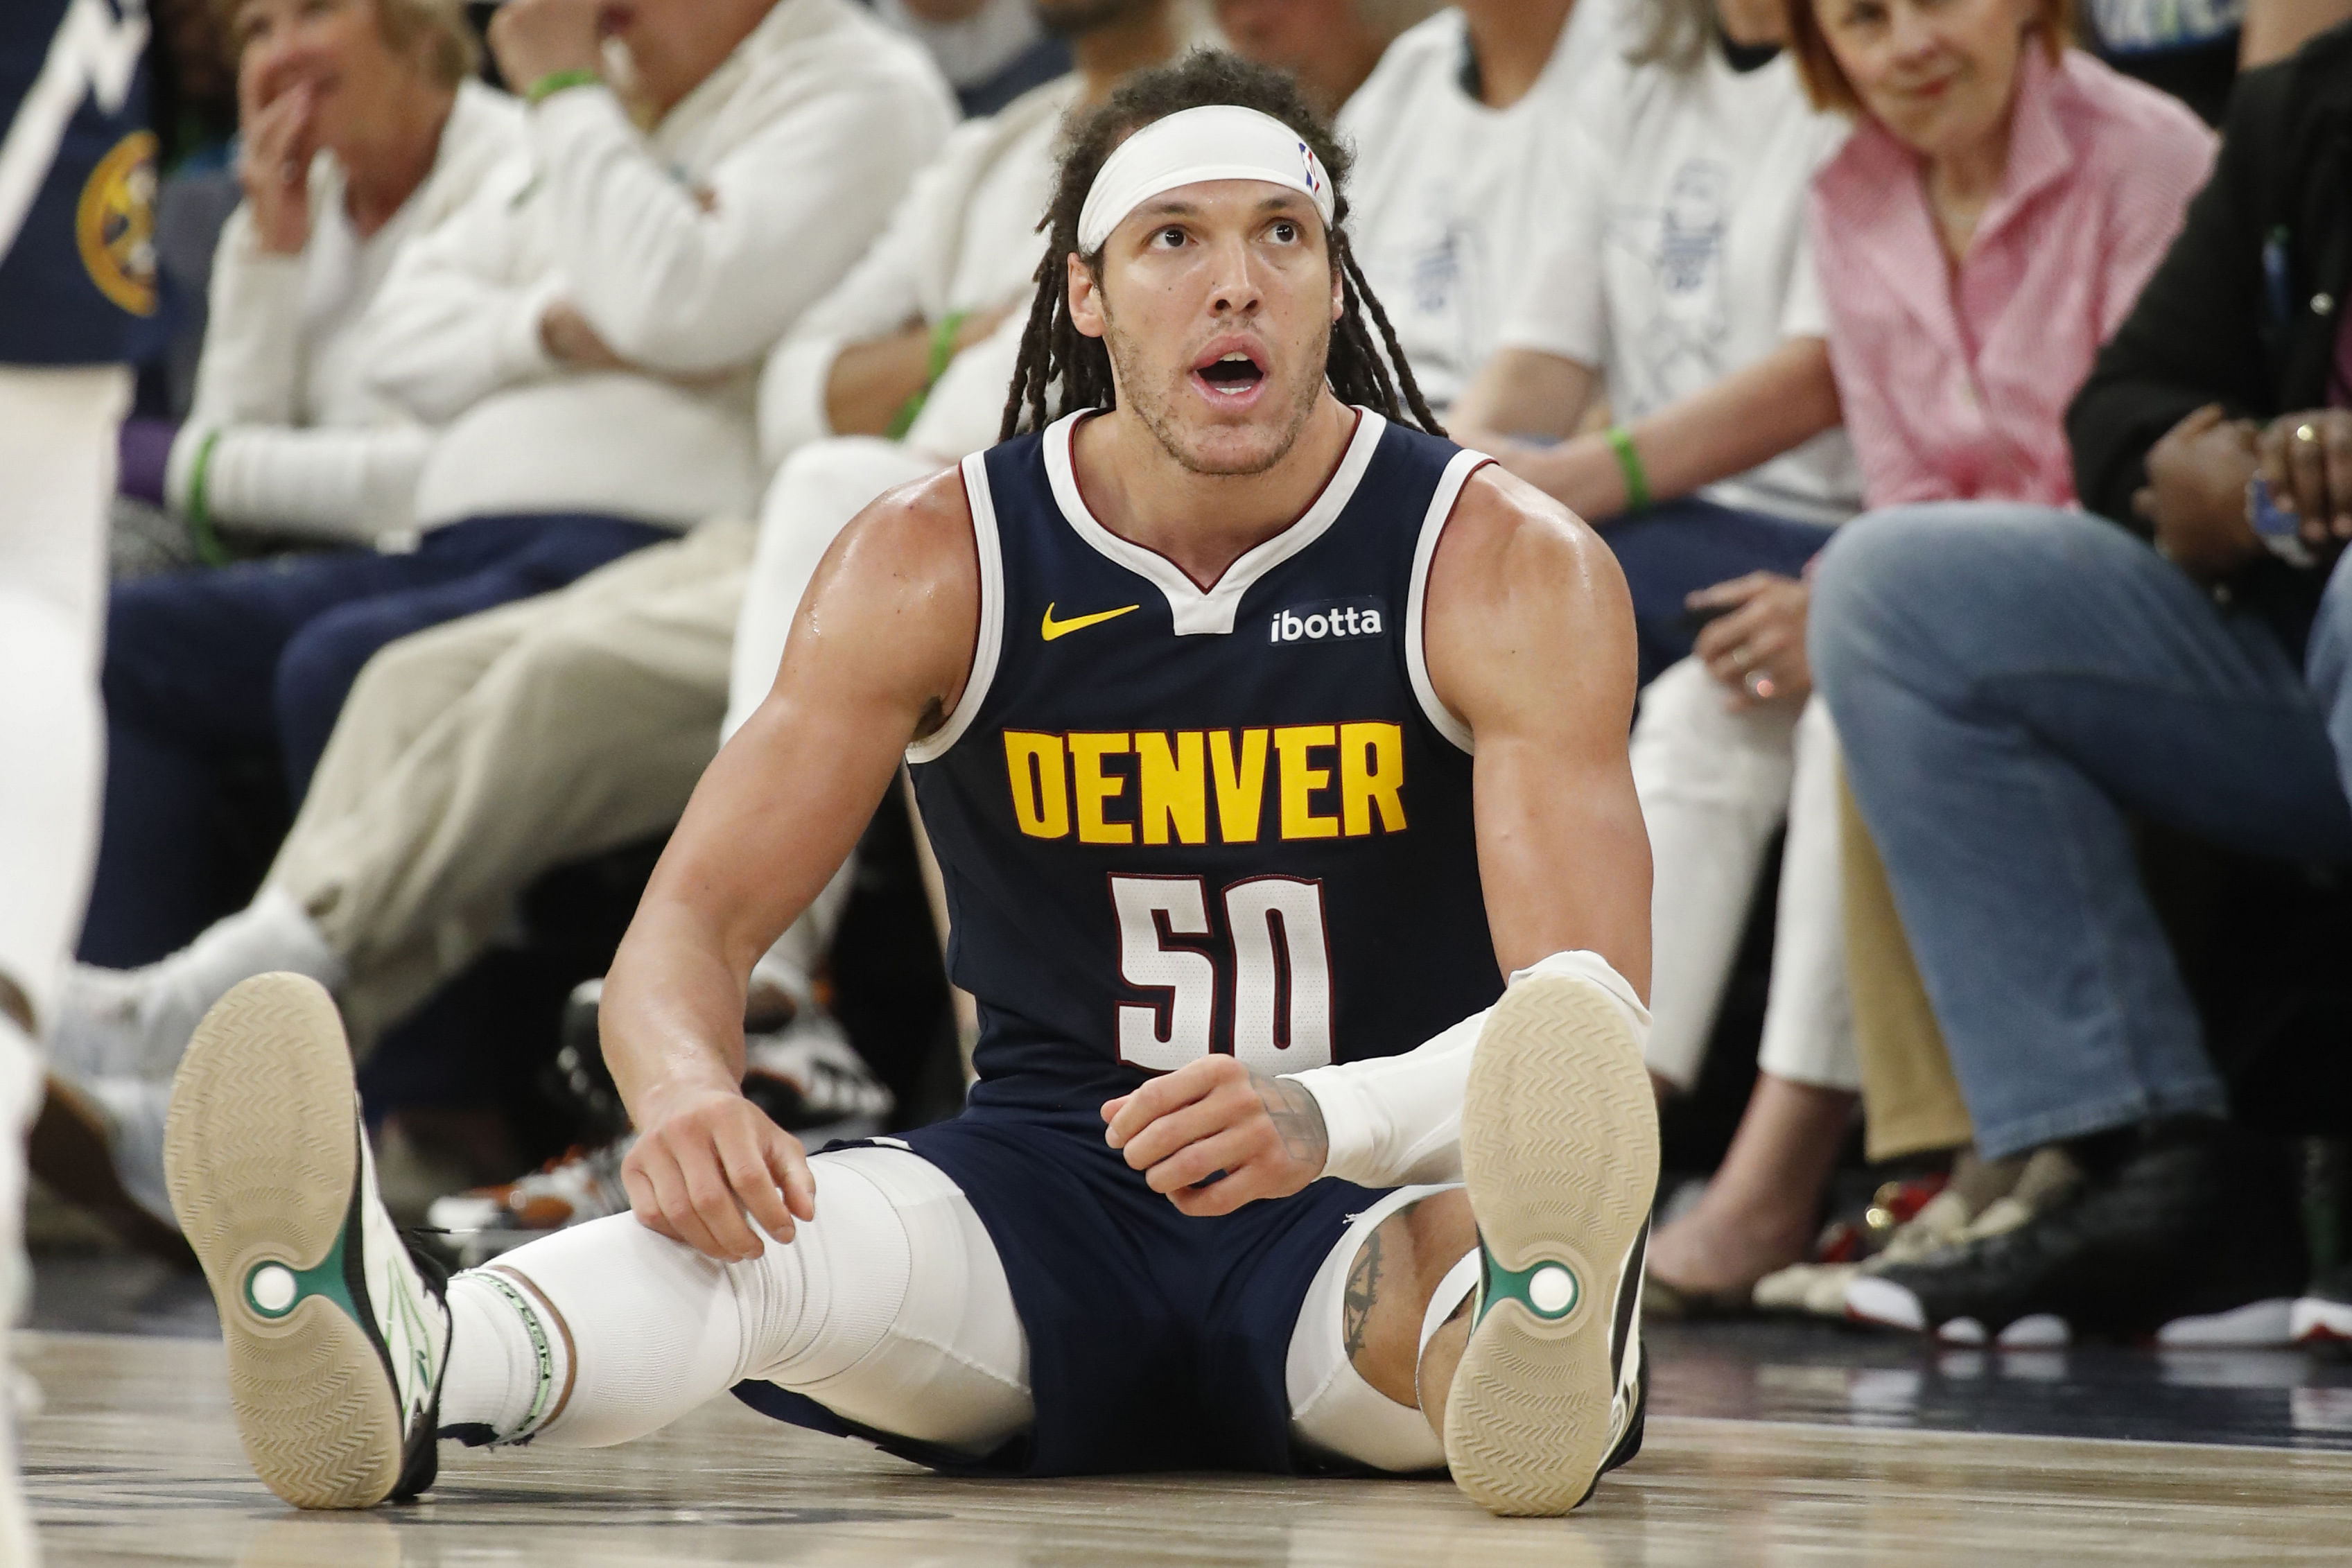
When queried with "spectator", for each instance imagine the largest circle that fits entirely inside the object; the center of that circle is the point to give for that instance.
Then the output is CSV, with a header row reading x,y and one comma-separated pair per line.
x,y
587,326
992,51
1330,45
2012,681
362,130
1675,281
475,757
1447,129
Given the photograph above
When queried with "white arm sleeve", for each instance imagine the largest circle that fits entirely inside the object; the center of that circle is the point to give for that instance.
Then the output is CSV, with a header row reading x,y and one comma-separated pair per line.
x,y
1397,1120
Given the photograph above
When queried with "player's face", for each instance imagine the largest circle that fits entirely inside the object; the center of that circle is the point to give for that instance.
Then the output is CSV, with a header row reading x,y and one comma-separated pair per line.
x,y
1216,302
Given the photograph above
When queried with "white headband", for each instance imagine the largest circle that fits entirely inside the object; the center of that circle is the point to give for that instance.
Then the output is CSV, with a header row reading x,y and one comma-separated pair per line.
x,y
1215,141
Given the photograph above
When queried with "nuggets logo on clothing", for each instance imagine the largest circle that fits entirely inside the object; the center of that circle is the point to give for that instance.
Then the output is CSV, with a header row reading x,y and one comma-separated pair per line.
x,y
114,223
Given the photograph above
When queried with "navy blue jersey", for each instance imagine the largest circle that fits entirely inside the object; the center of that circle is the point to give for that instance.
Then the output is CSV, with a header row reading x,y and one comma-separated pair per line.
x,y
77,182
1175,821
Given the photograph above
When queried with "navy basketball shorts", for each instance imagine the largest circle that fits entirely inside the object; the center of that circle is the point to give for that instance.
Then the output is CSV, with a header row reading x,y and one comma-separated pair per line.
x,y
1156,1341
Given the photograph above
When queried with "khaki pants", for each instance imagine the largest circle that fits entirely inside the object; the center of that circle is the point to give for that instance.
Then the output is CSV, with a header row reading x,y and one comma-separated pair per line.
x,y
1911,1103
473,757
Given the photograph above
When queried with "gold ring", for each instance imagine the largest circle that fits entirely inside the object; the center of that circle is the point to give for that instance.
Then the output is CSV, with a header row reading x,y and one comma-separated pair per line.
x,y
2306,431
1760,687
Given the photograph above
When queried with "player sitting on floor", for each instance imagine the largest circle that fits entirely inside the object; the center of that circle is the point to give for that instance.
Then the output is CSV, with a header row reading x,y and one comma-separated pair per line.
x,y
1225,877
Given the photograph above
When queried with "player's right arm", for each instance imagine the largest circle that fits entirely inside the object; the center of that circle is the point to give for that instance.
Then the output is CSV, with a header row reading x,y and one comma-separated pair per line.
x,y
878,656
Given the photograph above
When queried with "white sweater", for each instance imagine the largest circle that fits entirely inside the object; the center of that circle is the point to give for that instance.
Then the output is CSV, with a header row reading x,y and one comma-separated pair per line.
x,y
690,250
302,443
965,238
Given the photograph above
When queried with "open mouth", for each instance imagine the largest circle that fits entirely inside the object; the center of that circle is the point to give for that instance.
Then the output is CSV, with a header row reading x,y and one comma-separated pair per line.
x,y
1233,373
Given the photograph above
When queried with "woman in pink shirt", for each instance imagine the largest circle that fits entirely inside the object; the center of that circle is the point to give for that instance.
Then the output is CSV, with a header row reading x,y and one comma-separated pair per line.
x,y
2001,201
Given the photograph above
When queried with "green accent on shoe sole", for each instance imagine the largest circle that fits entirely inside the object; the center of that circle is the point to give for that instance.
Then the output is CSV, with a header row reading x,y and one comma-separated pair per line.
x,y
325,1279
1546,1280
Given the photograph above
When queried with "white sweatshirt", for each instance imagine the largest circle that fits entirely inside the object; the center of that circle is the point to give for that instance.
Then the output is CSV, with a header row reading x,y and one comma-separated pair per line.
x,y
1445,195
690,250
965,238
304,445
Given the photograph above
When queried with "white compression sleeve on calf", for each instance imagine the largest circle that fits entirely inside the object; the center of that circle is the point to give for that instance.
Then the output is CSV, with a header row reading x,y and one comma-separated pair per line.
x,y
1395,1119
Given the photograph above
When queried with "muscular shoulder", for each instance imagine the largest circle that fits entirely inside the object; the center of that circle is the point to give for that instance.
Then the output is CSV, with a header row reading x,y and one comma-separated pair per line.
x,y
898,595
1510,544
1525,603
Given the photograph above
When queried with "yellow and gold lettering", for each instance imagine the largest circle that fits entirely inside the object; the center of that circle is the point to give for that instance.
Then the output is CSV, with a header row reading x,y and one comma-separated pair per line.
x,y
1087,754
1299,781
1372,775
1175,786
1041,788
1240,790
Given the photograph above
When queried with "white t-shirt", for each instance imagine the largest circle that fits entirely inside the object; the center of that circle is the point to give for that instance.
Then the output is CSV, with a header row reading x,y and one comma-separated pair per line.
x,y
1671,251
1441,201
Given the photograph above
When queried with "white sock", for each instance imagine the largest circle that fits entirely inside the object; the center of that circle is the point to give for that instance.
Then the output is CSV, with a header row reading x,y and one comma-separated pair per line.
x,y
511,1364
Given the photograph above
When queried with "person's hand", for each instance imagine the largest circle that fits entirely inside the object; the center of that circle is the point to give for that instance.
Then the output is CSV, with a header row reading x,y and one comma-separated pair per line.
x,y
2194,498
535,38
2307,459
705,1158
572,342
1758,649
1218,1115
281,137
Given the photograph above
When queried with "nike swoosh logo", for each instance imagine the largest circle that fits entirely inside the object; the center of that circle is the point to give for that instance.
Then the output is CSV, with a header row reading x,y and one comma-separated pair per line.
x,y
1054,629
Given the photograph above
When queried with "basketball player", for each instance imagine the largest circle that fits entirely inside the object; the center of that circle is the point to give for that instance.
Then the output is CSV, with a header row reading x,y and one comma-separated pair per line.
x,y
1191,683
76,289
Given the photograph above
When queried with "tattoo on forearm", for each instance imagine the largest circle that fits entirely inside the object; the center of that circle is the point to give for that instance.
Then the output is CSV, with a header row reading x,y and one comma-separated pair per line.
x,y
1363,1290
1297,1117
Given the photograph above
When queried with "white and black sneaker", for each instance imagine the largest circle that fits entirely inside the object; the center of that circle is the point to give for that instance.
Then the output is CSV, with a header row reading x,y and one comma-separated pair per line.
x,y
337,1332
1560,1154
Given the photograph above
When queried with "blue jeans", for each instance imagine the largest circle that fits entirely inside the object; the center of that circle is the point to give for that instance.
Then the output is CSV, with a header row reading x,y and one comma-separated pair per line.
x,y
2009,682
1678,547
241,670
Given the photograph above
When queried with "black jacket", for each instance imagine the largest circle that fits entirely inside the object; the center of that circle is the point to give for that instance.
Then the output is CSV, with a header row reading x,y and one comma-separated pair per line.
x,y
2246,308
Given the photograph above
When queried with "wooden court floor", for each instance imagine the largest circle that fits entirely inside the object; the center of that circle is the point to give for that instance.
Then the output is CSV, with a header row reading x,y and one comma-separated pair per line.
x,y
133,1461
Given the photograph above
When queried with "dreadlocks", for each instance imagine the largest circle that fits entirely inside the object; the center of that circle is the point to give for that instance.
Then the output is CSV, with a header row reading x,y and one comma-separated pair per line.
x,y
1053,349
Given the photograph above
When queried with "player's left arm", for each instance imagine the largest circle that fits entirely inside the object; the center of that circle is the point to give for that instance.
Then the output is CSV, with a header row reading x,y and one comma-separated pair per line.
x,y
1530,638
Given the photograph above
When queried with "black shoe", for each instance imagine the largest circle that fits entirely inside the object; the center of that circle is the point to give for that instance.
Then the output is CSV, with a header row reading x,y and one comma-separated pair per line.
x,y
2185,1231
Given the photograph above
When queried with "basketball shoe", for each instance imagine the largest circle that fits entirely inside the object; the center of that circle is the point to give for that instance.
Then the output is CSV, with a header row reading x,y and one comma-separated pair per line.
x,y
1559,1154
337,1333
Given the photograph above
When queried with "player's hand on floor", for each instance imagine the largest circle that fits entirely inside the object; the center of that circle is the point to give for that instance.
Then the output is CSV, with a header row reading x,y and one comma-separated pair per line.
x,y
707,1159
1213,1115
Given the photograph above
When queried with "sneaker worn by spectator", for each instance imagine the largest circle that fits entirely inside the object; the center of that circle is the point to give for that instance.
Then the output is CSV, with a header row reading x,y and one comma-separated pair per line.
x,y
2324,1312
1975,1189
2184,1230
1987,1200
135,1022
804,1073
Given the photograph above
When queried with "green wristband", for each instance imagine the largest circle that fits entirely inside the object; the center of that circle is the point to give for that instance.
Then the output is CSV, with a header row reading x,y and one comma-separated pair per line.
x,y
943,352
553,83
1629,460
209,549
